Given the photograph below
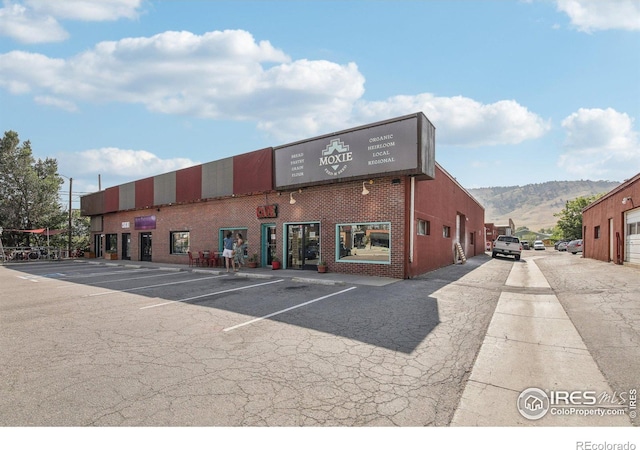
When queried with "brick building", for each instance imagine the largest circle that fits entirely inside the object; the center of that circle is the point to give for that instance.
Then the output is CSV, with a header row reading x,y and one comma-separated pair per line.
x,y
369,200
611,225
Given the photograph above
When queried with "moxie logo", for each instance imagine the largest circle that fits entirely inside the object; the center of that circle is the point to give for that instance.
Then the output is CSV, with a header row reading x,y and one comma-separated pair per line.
x,y
335,156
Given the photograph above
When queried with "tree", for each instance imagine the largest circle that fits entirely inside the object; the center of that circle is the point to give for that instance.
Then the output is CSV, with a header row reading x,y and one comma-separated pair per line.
x,y
570,218
28,191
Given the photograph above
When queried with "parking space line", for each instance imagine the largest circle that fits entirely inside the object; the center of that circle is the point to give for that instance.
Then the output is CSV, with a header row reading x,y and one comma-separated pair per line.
x,y
287,309
121,279
93,274
152,286
211,294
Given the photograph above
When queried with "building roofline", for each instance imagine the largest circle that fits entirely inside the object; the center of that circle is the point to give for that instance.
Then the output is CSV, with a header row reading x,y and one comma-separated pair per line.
x,y
614,191
459,185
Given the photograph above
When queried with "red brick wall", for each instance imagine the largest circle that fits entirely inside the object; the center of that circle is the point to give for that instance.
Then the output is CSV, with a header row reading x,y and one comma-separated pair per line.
x,y
341,203
610,207
329,205
438,201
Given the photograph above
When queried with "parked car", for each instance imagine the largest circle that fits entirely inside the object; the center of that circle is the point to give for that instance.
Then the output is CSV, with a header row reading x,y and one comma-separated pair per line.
x,y
562,246
557,244
525,245
539,245
507,245
575,246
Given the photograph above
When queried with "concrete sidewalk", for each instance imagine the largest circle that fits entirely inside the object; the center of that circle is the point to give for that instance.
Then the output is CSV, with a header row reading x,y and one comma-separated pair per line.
x,y
530,343
307,276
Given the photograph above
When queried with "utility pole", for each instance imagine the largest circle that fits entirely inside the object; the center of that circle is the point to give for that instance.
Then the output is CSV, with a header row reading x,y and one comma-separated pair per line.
x,y
70,212
2,256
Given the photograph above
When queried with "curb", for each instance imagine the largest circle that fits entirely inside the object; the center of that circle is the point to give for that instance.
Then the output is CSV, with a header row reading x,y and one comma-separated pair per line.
x,y
316,281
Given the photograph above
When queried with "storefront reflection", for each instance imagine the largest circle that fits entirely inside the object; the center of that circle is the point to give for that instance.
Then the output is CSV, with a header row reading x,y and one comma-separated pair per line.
x,y
368,242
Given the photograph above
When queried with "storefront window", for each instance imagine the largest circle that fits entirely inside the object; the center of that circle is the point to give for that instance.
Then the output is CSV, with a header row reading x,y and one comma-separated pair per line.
x,y
111,244
179,242
364,242
234,231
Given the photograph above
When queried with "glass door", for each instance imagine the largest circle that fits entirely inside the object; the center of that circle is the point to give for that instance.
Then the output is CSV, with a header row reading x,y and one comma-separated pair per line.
x,y
97,244
145,246
126,245
268,244
303,249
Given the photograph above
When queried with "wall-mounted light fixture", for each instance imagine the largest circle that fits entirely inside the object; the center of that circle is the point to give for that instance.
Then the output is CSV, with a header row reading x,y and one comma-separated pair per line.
x,y
291,199
626,200
365,191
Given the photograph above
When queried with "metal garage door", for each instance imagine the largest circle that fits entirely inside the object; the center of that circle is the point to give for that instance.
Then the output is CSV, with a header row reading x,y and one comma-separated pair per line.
x,y
632,249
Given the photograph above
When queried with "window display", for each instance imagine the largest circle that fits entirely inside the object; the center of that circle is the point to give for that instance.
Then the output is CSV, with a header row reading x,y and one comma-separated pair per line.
x,y
364,242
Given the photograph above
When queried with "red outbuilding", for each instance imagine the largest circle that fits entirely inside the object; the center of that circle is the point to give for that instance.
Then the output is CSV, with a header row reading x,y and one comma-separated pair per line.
x,y
611,225
369,200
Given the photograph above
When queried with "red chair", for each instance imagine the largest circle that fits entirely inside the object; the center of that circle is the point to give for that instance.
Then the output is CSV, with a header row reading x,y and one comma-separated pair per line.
x,y
193,260
202,260
213,259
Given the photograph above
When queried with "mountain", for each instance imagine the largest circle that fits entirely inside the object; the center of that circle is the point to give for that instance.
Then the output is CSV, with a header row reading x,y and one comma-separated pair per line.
x,y
534,205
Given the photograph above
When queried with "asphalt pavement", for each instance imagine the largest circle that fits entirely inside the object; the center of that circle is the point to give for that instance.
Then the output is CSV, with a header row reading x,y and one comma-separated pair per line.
x,y
121,343
534,354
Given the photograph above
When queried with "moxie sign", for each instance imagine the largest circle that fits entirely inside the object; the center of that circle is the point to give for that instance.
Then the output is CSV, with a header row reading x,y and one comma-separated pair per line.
x,y
401,146
267,212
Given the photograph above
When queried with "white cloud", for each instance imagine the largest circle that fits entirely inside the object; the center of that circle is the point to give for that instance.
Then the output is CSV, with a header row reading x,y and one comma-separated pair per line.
x,y
87,10
21,24
36,21
127,164
463,121
228,75
56,103
600,143
592,15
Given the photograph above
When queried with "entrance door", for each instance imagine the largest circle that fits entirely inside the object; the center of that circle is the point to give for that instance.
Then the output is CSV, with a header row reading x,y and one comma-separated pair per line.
x,y
126,245
145,246
268,244
611,241
632,249
303,247
97,245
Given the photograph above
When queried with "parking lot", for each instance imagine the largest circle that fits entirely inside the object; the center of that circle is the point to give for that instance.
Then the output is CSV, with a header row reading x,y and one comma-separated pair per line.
x,y
87,344
113,345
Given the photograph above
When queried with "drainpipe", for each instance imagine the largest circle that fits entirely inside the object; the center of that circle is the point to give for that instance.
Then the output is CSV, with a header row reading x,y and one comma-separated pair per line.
x,y
412,215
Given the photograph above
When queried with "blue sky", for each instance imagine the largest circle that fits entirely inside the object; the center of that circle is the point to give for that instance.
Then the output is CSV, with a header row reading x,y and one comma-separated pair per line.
x,y
519,91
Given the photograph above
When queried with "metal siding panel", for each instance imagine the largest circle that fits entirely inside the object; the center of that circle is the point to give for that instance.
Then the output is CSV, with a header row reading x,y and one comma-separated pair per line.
x,y
164,189
92,204
217,178
111,199
189,184
428,148
127,196
253,172
144,193
96,224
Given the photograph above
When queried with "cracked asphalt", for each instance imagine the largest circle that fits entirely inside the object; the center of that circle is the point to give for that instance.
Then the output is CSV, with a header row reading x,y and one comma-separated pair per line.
x,y
87,345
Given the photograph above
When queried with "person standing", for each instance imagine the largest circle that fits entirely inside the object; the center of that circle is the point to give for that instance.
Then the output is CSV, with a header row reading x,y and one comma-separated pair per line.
x,y
239,250
227,253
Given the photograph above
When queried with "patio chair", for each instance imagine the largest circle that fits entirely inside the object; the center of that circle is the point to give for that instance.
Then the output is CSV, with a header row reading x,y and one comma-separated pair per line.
x,y
193,260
